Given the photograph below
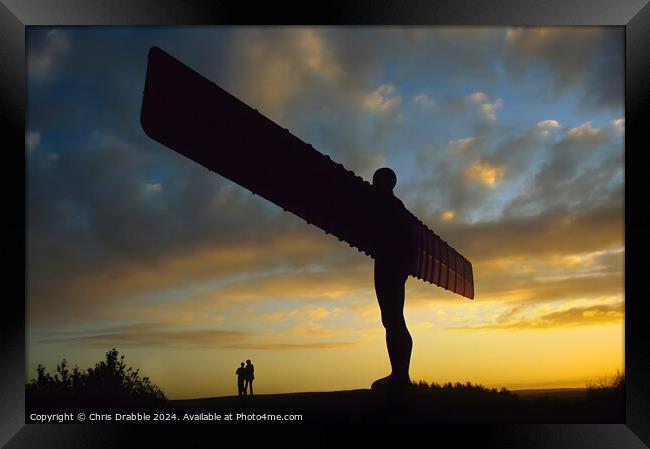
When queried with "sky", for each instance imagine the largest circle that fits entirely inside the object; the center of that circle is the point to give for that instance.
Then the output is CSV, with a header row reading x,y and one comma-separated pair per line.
x,y
507,142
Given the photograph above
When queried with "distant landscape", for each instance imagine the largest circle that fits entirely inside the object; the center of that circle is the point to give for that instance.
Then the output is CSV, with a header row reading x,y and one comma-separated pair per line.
x,y
559,393
458,403
112,386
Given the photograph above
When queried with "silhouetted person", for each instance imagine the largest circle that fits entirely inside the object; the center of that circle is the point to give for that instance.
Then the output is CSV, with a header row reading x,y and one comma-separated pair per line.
x,y
250,375
241,377
393,256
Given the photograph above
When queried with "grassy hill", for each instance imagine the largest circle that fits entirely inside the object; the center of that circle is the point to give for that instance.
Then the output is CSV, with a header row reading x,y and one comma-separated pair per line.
x,y
460,403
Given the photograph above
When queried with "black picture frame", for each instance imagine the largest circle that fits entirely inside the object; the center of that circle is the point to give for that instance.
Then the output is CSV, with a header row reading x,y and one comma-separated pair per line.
x,y
15,15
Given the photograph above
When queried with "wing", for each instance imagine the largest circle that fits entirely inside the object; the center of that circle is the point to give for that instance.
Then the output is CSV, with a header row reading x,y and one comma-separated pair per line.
x,y
193,116
440,264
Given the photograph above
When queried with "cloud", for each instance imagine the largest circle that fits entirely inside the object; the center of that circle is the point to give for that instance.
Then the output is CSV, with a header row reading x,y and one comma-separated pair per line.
x,y
318,313
586,132
317,55
32,139
515,287
475,105
532,278
462,145
309,313
153,187
270,68
588,61
487,174
480,100
619,123
381,99
581,168
293,345
333,284
157,335
135,229
545,127
551,231
320,85
548,124
250,268
423,100
448,215
315,330
147,334
575,316
45,49
119,234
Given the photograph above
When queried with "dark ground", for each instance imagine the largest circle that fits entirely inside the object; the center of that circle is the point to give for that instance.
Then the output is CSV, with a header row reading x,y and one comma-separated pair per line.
x,y
420,406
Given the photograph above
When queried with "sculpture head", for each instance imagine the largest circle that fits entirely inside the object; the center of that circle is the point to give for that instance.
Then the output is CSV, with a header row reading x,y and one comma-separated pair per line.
x,y
384,179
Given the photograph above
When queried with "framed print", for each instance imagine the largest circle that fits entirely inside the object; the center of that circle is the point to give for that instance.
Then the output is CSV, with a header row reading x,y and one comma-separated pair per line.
x,y
222,220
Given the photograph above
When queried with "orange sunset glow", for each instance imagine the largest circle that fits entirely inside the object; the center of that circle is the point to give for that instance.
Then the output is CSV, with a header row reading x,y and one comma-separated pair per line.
x,y
508,143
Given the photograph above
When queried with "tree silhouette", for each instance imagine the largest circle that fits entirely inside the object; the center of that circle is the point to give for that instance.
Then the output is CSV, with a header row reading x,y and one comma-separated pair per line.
x,y
110,384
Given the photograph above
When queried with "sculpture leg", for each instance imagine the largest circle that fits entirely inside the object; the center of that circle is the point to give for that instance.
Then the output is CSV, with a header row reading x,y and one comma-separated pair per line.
x,y
389,287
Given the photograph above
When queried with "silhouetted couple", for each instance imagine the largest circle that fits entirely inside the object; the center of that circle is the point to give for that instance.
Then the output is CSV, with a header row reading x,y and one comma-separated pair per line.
x,y
245,376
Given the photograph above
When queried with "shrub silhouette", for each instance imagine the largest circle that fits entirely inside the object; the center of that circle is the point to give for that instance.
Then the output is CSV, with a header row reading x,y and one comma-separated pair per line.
x,y
607,392
464,389
109,385
613,383
467,402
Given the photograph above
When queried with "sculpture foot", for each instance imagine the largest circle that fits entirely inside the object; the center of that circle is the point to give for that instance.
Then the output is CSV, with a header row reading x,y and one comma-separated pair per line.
x,y
390,383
